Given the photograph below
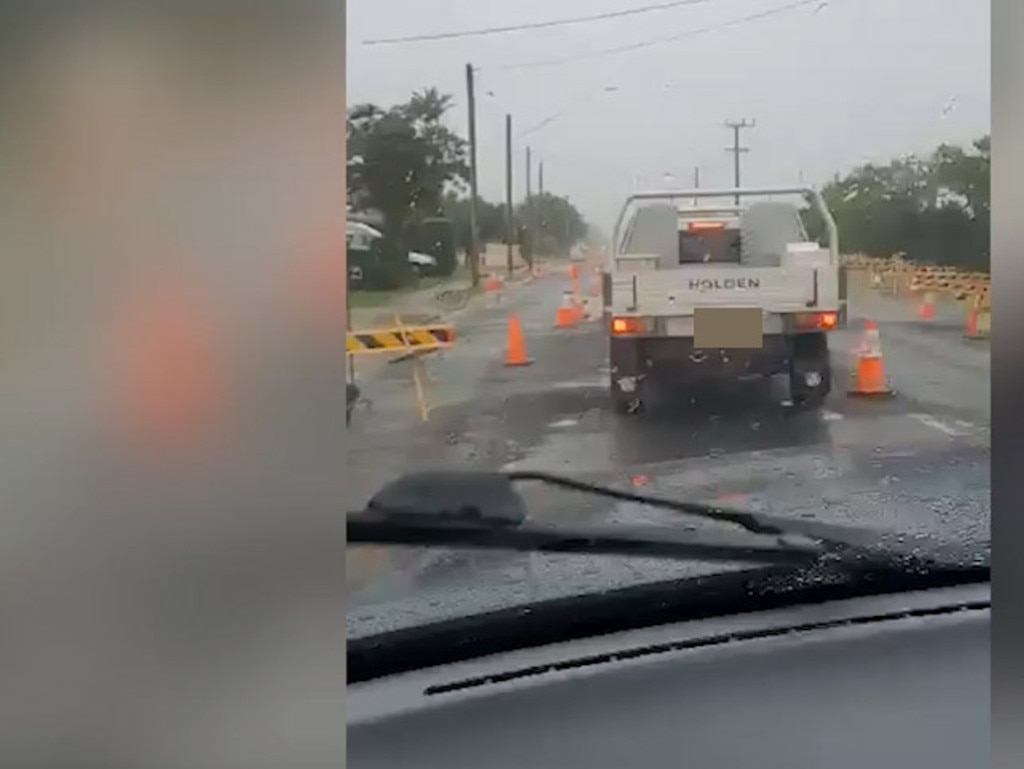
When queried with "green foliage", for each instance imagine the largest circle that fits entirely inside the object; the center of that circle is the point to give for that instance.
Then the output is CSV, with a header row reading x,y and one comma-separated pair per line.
x,y
368,271
400,162
410,168
436,236
935,210
490,220
558,223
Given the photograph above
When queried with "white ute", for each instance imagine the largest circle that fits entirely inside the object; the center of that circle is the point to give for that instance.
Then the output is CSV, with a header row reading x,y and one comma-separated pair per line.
x,y
699,293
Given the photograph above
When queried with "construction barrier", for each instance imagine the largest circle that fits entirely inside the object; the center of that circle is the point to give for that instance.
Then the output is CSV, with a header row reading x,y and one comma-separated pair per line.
x,y
897,277
399,339
406,343
894,276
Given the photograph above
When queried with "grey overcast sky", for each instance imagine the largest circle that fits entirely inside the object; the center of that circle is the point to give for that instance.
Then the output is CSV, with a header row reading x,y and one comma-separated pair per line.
x,y
831,85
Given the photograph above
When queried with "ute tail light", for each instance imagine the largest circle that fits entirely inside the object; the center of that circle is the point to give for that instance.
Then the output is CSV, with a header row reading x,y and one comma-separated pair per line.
x,y
824,321
627,326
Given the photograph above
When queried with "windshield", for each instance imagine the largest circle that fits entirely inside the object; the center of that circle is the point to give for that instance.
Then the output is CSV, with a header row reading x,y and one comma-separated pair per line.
x,y
860,397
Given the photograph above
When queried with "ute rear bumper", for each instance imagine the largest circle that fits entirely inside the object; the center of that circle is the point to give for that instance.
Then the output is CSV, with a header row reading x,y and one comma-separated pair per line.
x,y
676,360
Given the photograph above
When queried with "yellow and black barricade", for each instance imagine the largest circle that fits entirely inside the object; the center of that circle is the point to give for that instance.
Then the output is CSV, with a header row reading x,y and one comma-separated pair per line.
x,y
400,339
406,343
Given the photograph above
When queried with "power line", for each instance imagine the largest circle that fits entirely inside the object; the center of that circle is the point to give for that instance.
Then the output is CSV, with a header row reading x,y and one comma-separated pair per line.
x,y
650,42
644,44
537,24
567,110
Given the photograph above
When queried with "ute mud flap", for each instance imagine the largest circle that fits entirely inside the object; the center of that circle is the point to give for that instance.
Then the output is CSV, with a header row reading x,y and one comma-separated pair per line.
x,y
627,373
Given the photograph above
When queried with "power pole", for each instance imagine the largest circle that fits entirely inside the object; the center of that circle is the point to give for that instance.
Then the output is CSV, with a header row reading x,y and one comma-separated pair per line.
x,y
527,224
529,174
535,218
696,182
473,257
509,222
736,149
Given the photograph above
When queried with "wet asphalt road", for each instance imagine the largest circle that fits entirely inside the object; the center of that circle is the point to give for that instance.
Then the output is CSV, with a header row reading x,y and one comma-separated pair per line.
x,y
918,463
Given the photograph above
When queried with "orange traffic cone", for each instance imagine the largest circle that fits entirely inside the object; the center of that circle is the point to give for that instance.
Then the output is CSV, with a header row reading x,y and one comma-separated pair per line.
x,y
972,319
979,320
515,348
926,310
565,315
869,374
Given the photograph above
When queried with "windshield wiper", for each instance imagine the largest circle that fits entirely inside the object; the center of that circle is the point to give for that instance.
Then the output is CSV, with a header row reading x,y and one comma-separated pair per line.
x,y
483,511
646,541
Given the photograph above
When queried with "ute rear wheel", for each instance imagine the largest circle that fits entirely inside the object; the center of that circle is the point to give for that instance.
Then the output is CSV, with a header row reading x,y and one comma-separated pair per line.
x,y
627,405
810,372
624,400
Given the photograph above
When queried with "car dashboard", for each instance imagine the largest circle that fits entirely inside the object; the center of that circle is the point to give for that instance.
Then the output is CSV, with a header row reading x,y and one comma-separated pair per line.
x,y
895,680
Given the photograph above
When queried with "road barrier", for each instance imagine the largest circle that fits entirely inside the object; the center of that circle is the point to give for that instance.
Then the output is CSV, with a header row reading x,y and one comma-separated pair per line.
x,y
400,338
406,343
894,276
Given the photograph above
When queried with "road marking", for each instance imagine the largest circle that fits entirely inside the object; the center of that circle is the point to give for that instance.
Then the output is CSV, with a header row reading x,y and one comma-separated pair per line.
x,y
937,424
831,416
564,423
579,384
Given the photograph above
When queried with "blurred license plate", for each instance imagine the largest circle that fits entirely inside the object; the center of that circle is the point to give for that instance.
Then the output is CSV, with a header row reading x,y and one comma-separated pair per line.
x,y
728,328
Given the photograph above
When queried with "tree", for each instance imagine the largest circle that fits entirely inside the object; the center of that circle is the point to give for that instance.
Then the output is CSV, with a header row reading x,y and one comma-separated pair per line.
x,y
490,220
558,223
934,210
401,161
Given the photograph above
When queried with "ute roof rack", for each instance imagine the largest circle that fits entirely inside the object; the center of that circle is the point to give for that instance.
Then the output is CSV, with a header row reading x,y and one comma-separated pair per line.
x,y
670,196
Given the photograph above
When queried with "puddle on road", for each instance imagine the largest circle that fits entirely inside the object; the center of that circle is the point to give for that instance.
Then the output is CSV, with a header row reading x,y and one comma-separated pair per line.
x,y
573,431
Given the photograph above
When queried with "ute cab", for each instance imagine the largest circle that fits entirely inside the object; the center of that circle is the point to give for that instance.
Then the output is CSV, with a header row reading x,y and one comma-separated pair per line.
x,y
705,294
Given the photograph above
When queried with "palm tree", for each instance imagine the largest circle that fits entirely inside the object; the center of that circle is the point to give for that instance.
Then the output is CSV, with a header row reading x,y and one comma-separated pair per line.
x,y
429,105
